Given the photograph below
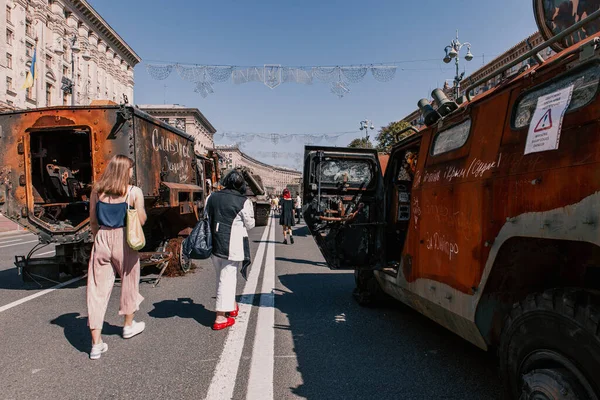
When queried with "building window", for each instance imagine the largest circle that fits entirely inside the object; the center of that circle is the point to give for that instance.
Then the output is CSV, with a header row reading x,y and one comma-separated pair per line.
x,y
28,49
65,99
29,29
9,37
48,61
28,93
65,53
48,94
9,84
9,14
65,70
8,60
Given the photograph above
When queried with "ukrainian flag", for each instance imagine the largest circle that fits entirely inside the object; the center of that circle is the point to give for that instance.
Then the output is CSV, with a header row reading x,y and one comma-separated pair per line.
x,y
31,73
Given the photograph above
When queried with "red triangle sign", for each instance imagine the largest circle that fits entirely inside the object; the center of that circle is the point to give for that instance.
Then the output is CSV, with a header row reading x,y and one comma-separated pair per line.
x,y
545,122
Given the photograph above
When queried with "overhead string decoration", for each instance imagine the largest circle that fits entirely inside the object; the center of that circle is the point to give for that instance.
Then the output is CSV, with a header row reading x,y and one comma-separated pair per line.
x,y
339,78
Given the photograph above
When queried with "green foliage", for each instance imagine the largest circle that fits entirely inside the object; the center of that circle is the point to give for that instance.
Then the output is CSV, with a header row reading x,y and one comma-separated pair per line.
x,y
361,143
390,135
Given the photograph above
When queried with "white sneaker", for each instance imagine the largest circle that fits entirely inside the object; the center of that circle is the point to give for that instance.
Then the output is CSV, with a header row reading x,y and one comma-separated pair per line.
x,y
97,350
134,329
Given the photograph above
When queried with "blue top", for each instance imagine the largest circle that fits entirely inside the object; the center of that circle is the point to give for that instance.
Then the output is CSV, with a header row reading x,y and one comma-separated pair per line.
x,y
111,215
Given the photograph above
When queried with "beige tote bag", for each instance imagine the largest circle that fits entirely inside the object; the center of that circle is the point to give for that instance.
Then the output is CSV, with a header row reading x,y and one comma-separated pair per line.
x,y
135,235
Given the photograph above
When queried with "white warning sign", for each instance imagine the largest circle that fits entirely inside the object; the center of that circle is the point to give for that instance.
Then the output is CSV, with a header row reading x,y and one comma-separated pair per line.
x,y
544,130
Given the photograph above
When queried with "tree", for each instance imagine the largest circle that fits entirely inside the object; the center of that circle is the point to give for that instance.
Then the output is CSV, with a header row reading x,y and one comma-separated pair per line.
x,y
390,135
361,143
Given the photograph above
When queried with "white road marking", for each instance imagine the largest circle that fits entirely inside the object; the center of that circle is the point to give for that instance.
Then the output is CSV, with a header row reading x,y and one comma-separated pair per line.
x,y
43,254
20,243
10,241
260,381
223,380
22,235
39,294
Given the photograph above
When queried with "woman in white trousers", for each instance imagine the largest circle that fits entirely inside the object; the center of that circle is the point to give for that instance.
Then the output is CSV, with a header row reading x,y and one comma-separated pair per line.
x,y
230,214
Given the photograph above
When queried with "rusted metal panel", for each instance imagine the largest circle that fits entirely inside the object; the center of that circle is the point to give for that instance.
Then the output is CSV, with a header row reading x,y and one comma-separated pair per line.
x,y
86,138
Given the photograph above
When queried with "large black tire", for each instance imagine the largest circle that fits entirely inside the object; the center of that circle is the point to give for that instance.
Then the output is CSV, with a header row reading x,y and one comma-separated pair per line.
x,y
368,292
550,346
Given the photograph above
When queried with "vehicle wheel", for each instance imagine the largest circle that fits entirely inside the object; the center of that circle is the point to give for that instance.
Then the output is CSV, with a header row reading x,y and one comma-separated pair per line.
x,y
178,263
550,347
368,292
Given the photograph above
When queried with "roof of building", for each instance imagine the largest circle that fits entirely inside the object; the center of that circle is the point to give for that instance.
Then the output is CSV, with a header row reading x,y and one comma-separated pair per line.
x,y
155,109
105,29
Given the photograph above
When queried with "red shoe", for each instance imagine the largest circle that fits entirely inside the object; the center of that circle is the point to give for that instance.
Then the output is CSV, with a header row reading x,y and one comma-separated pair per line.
x,y
235,312
222,325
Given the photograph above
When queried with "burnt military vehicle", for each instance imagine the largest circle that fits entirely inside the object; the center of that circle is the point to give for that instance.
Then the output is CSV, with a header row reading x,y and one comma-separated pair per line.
x,y
255,191
488,219
51,157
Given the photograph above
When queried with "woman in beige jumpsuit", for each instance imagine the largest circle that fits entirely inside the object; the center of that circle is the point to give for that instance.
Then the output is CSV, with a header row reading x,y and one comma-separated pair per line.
x,y
110,199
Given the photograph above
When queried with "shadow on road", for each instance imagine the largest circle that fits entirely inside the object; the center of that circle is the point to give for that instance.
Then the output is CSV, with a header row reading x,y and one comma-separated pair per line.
x,y
346,351
301,232
183,308
77,332
10,280
301,261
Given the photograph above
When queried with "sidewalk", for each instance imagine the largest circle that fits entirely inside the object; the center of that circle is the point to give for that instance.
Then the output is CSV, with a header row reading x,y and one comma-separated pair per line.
x,y
7,225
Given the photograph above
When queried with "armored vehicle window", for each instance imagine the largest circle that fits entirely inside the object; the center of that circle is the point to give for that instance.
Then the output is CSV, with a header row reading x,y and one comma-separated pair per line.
x,y
585,86
452,138
346,171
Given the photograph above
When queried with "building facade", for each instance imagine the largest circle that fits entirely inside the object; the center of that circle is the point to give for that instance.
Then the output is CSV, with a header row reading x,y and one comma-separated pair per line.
x,y
275,179
56,31
187,119
415,118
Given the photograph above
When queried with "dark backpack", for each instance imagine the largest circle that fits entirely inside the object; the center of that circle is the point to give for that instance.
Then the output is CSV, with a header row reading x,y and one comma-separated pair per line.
x,y
198,245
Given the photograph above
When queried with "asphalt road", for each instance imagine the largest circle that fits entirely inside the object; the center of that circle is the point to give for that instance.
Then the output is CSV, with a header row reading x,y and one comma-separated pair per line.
x,y
299,335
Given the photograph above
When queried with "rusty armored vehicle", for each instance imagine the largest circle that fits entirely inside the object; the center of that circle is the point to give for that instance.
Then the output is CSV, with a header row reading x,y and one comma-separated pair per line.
x,y
487,220
51,157
255,191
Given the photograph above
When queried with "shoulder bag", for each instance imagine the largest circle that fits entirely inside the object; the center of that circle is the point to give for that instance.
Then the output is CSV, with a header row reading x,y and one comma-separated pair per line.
x,y
135,235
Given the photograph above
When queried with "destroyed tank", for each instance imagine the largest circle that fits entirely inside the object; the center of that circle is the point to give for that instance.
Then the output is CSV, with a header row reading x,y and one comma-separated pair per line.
x,y
487,219
51,158
255,191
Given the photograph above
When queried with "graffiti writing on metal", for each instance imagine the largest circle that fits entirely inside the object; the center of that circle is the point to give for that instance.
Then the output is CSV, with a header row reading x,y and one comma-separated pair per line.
x,y
437,242
476,169
464,222
181,168
160,143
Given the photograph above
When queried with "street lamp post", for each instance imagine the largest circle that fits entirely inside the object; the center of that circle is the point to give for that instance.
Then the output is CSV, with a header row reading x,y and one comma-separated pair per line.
x,y
74,50
69,86
366,125
452,51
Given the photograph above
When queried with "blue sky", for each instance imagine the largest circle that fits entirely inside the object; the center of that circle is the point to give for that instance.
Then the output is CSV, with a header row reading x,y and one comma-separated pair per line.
x,y
308,32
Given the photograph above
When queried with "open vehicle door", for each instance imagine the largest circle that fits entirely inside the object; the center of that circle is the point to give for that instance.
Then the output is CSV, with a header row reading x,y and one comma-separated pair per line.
x,y
343,194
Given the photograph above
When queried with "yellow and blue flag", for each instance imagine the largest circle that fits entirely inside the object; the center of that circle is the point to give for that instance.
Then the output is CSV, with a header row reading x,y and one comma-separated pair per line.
x,y
31,73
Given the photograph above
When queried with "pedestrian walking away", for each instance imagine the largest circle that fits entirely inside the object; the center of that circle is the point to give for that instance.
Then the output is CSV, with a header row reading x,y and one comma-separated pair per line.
x,y
298,206
111,198
286,219
231,214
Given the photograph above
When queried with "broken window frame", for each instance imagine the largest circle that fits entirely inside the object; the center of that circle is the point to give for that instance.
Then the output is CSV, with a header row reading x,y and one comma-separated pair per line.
x,y
448,131
540,89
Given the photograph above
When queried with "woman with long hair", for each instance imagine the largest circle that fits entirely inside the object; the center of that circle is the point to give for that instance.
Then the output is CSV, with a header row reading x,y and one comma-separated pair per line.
x,y
231,214
286,219
110,199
